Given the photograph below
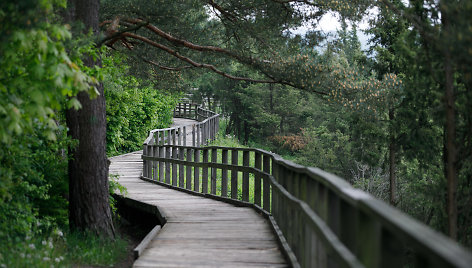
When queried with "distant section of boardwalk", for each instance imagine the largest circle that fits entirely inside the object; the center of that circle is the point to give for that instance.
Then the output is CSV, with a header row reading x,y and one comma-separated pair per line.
x,y
199,232
185,122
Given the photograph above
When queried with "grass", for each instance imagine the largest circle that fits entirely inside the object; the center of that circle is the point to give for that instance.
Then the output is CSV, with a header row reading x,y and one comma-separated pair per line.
x,y
63,250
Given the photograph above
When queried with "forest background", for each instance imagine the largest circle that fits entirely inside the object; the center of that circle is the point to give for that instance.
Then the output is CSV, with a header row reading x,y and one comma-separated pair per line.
x,y
394,120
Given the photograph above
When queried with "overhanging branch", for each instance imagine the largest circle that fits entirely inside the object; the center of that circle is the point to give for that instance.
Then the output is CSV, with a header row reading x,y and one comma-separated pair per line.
x,y
181,42
112,35
194,63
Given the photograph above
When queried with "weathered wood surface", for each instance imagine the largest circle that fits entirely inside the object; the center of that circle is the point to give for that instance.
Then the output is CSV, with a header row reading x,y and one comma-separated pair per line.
x,y
199,232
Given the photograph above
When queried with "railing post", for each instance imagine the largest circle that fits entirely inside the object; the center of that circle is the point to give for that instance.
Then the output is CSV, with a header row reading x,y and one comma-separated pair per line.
x,y
184,143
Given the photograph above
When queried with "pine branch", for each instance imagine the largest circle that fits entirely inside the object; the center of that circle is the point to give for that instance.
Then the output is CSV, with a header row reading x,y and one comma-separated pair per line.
x,y
194,63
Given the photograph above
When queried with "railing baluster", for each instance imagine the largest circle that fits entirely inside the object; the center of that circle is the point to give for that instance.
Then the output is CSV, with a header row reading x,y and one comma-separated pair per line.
x,y
199,132
234,174
174,166
167,173
214,159
257,178
162,165
205,172
179,135
393,251
224,173
246,176
155,150
188,169
266,183
181,168
150,152
369,232
145,162
173,133
193,136
196,179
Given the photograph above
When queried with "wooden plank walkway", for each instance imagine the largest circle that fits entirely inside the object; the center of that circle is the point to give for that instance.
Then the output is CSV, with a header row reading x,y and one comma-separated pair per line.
x,y
199,232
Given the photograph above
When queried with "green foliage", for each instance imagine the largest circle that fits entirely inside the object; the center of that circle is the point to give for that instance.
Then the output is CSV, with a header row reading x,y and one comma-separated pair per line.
x,y
133,108
37,72
56,249
114,188
35,250
33,183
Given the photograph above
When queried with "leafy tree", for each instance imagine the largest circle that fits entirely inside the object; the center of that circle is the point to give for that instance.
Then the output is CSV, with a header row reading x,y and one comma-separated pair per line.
x,y
37,75
133,107
437,56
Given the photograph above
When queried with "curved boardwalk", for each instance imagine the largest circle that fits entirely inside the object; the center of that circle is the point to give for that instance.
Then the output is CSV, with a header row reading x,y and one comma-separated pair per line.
x,y
199,232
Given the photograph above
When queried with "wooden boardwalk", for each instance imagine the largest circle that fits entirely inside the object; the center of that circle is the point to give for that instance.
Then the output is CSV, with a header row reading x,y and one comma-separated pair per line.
x,y
199,232
185,122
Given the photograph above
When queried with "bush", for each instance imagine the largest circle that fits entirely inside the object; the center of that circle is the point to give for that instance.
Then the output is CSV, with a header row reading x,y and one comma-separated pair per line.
x,y
133,108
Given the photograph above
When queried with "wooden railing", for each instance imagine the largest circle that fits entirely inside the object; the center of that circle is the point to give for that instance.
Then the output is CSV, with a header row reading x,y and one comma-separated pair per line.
x,y
321,219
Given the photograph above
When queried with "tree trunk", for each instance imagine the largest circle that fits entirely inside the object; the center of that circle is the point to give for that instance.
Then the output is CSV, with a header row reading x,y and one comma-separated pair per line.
x,y
451,150
89,207
392,160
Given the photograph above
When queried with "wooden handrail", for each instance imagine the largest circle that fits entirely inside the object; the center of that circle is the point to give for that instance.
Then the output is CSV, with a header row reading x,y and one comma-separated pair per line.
x,y
324,220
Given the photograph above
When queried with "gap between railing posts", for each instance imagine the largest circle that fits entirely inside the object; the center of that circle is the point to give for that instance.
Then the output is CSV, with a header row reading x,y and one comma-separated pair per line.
x,y
324,221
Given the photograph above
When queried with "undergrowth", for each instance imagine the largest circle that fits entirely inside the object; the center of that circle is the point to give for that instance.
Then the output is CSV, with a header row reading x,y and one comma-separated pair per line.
x,y
57,249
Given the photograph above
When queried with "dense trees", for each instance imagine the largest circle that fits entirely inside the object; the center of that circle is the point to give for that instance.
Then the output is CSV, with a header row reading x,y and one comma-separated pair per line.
x,y
42,71
402,113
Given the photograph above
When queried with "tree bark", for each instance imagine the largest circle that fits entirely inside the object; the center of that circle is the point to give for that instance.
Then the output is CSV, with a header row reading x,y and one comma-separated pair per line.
x,y
89,207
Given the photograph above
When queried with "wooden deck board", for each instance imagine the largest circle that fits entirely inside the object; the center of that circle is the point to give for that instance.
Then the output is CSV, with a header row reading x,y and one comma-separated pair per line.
x,y
199,232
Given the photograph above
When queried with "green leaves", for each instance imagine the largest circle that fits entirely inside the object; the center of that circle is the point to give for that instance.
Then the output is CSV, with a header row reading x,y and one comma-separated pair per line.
x,y
36,77
133,107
